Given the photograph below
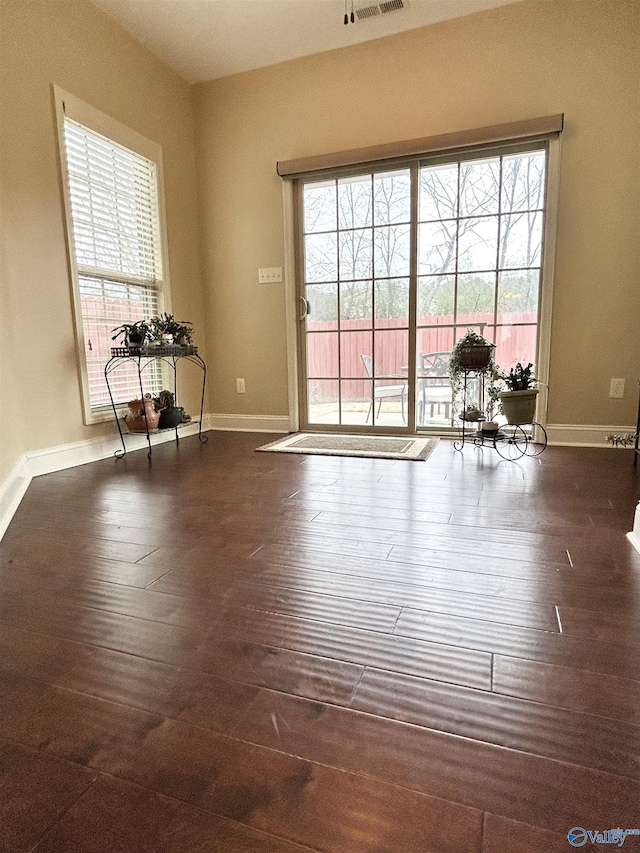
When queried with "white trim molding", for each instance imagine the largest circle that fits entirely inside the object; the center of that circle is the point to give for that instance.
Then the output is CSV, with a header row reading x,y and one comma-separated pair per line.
x,y
291,304
634,535
67,106
249,423
583,435
545,314
38,462
50,459
12,491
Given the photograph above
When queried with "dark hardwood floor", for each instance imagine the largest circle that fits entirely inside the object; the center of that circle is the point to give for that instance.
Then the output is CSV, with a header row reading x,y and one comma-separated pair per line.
x,y
237,651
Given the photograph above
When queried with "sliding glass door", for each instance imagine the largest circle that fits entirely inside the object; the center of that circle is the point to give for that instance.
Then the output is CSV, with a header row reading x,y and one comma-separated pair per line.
x,y
396,265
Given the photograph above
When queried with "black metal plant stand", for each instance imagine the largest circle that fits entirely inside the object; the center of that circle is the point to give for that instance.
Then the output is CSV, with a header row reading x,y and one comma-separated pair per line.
x,y
143,357
511,441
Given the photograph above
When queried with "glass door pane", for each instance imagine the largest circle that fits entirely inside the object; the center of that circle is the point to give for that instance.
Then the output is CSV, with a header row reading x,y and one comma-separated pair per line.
x,y
479,256
356,268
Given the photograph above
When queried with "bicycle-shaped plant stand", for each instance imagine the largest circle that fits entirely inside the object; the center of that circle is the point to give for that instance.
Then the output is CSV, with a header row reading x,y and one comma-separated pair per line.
x,y
511,441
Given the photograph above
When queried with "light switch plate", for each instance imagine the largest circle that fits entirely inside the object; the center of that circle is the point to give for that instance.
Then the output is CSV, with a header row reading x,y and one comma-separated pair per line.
x,y
269,275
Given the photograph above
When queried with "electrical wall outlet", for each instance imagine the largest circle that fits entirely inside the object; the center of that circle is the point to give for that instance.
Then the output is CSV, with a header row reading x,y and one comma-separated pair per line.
x,y
269,275
616,389
240,389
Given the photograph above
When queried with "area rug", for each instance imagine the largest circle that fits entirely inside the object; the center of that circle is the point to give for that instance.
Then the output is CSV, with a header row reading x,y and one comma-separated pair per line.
x,y
374,446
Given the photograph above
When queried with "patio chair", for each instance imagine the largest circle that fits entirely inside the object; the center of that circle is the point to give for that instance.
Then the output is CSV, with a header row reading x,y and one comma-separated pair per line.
x,y
434,385
383,392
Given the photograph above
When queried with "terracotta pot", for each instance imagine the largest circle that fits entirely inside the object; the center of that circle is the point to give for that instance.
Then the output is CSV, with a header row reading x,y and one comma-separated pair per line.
x,y
135,420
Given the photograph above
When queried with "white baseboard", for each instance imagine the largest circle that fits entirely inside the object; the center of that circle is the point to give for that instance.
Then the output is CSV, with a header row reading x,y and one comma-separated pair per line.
x,y
583,435
633,538
249,423
12,492
50,459
634,535
82,452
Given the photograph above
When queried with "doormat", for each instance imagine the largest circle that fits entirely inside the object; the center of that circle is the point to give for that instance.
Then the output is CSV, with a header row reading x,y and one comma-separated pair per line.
x,y
373,446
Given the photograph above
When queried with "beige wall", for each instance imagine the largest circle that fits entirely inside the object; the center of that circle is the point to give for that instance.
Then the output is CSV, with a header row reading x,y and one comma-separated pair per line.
x,y
70,43
580,57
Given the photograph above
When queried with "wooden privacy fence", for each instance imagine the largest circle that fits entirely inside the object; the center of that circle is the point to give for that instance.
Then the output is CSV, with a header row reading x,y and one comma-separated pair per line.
x,y
388,344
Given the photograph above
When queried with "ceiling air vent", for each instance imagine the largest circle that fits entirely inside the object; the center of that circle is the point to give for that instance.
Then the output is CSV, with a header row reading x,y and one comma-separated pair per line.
x,y
391,6
374,9
367,12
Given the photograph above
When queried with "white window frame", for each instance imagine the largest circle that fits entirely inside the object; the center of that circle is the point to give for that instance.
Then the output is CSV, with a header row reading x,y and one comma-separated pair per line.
x,y
67,105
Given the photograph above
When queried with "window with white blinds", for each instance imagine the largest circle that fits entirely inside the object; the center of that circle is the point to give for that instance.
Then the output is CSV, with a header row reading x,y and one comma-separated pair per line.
x,y
113,200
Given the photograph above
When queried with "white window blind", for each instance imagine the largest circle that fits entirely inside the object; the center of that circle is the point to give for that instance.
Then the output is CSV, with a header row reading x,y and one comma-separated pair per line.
x,y
116,236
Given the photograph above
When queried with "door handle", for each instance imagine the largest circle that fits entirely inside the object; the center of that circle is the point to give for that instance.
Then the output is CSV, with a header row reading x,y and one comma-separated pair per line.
x,y
306,308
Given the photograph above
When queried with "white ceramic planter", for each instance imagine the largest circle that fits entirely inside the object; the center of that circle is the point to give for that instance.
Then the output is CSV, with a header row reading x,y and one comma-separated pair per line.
x,y
519,407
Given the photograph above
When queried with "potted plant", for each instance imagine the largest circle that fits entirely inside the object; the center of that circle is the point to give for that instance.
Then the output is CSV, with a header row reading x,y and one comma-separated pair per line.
x,y
142,414
519,400
621,439
170,414
471,353
169,331
134,335
471,414
493,407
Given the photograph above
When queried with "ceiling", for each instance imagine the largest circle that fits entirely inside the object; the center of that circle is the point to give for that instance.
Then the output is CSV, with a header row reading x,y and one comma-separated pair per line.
x,y
206,39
